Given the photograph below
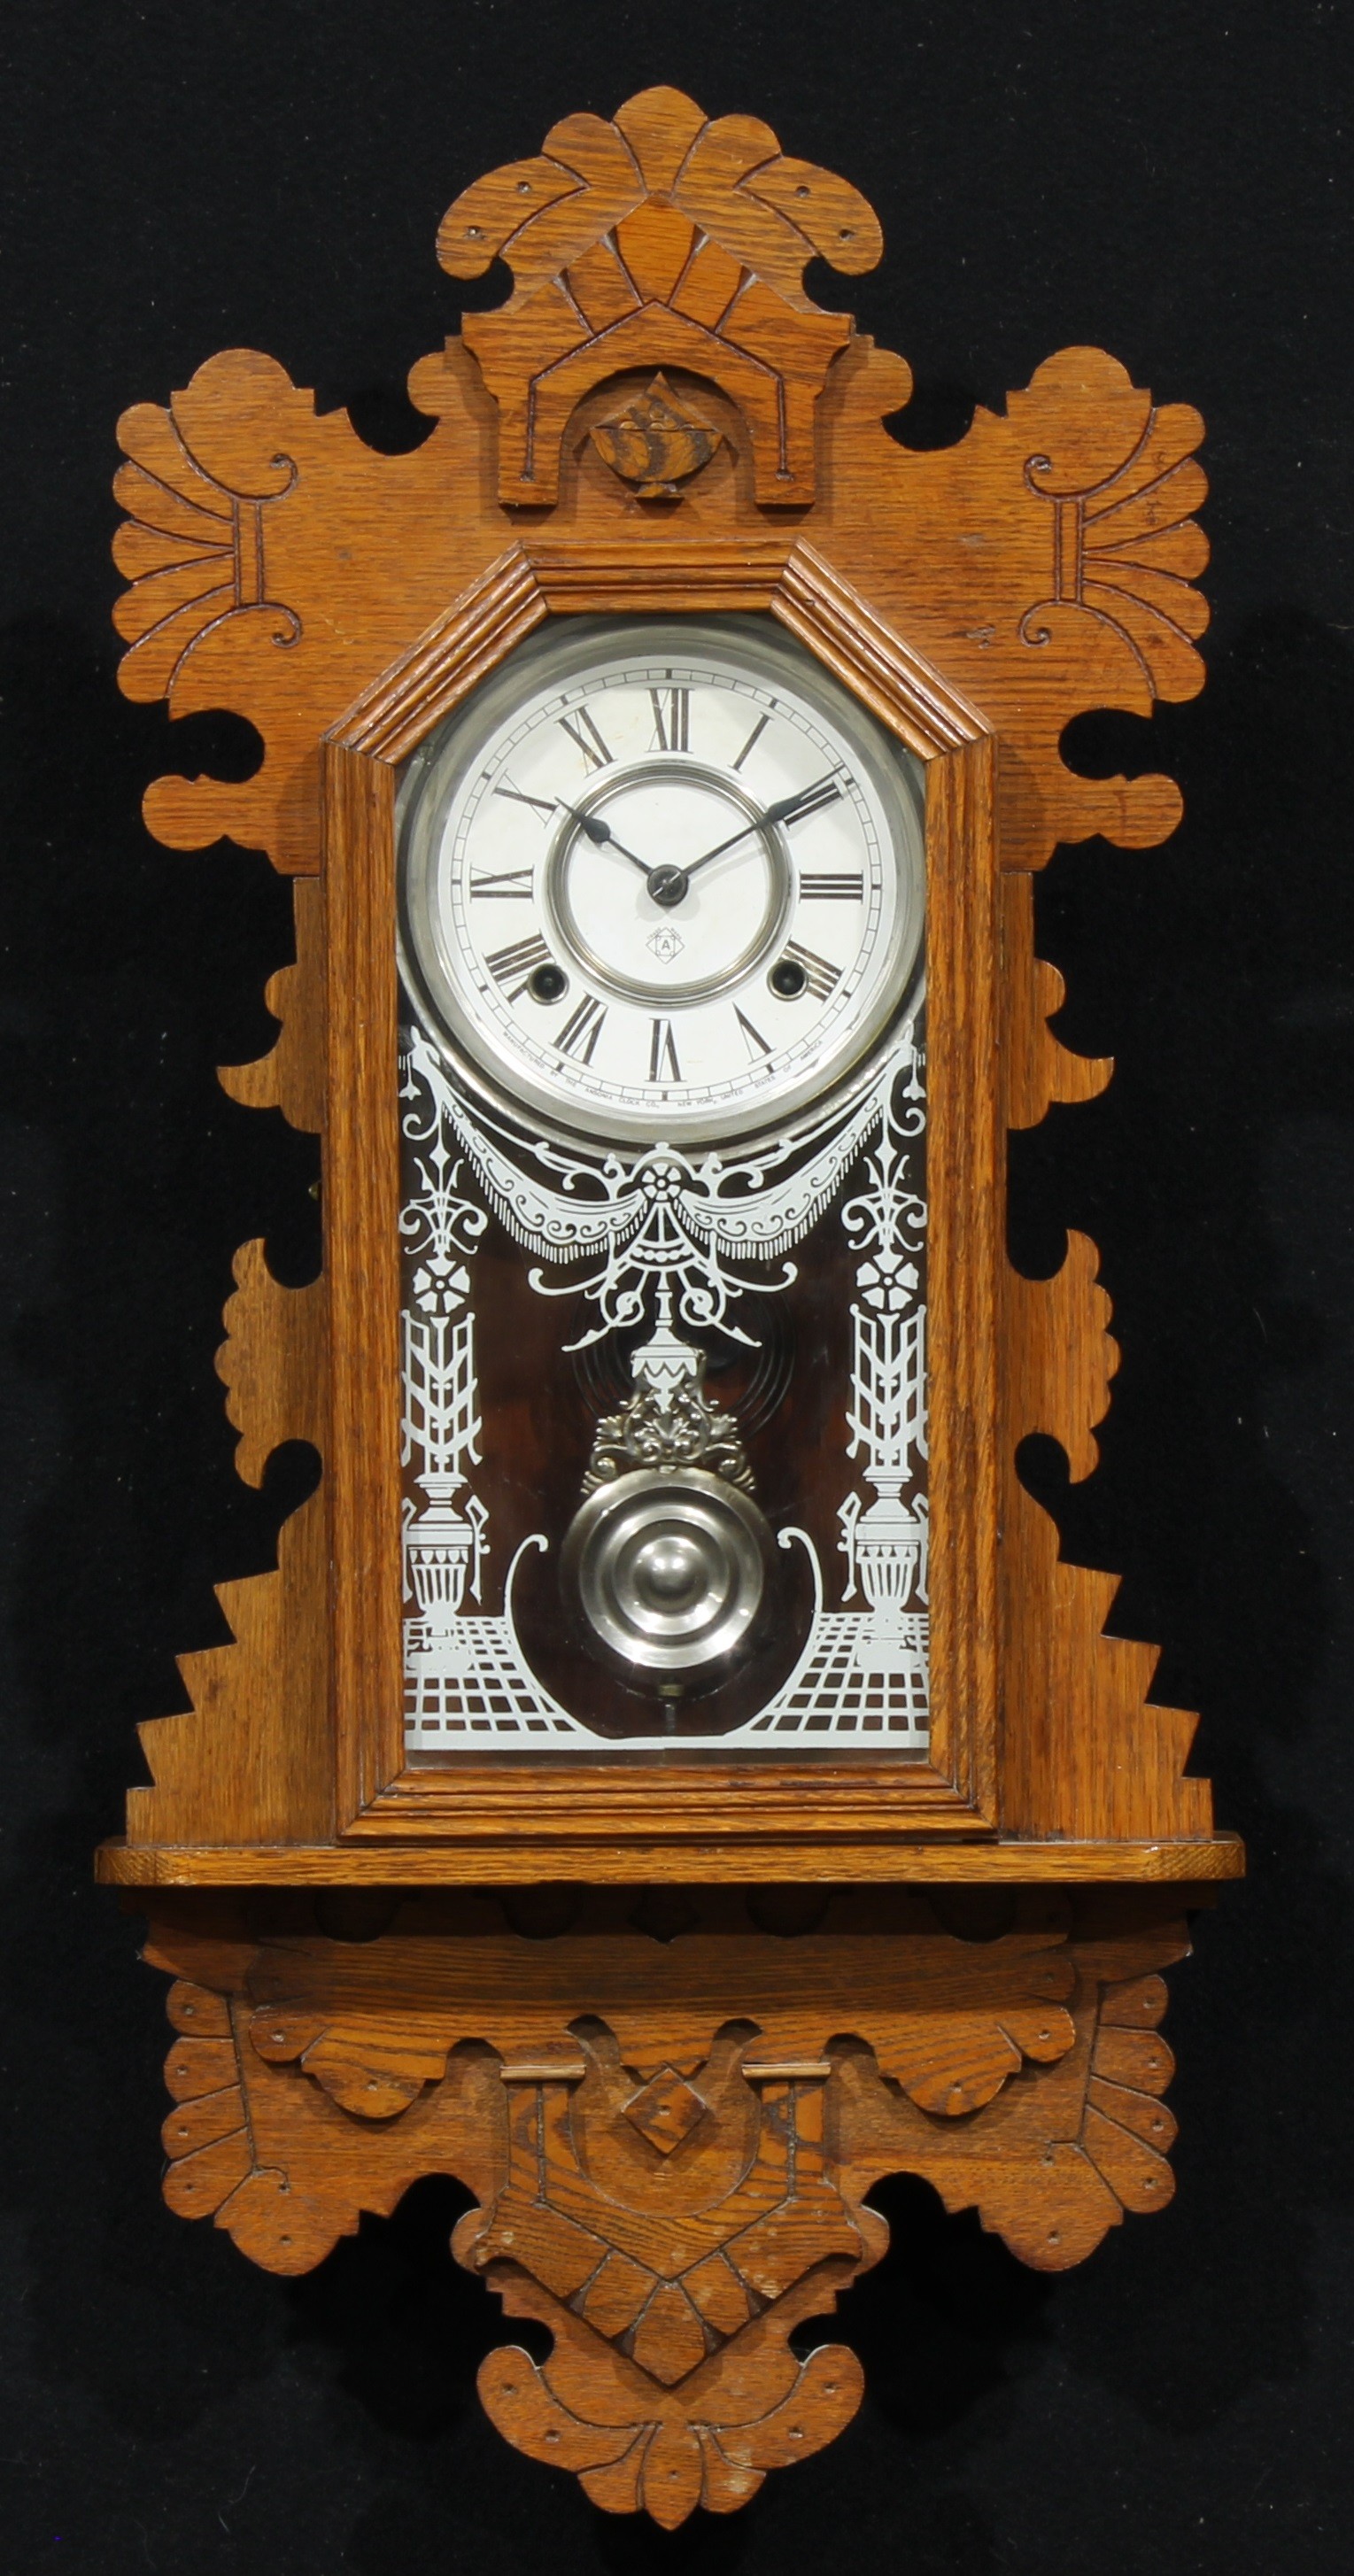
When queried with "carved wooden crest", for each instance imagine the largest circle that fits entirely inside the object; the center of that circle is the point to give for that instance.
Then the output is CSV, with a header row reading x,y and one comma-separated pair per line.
x,y
665,239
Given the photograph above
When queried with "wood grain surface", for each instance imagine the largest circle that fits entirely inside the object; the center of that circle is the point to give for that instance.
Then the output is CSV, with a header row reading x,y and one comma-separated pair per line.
x,y
377,1793
534,1860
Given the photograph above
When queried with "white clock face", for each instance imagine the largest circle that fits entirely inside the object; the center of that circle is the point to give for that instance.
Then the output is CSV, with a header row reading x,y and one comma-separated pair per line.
x,y
661,881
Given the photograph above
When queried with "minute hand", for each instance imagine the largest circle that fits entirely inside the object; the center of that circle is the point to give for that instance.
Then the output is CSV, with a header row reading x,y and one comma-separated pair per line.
x,y
789,809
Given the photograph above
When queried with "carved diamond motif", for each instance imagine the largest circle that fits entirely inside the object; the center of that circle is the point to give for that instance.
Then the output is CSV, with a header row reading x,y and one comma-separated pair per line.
x,y
667,2110
655,444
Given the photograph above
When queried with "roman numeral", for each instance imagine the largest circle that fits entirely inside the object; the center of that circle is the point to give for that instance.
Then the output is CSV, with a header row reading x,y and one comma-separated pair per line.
x,y
504,882
663,1065
755,1043
819,974
832,889
543,805
672,723
583,732
520,960
753,739
581,1030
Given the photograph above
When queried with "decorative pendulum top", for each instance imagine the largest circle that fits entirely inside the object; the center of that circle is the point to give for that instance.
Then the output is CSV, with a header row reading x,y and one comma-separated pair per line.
x,y
669,1420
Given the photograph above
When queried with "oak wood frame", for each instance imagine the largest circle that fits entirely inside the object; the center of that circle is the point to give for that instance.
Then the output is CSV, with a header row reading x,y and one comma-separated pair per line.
x,y
600,1803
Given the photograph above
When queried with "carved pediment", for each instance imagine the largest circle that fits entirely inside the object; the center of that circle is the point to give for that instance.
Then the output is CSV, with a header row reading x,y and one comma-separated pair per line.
x,y
664,239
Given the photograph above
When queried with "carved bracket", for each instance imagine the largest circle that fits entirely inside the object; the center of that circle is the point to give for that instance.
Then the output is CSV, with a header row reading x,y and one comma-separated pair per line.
x,y
672,2185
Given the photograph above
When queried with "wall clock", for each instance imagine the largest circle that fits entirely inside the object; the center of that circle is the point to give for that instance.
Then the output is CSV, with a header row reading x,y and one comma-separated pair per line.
x,y
670,1778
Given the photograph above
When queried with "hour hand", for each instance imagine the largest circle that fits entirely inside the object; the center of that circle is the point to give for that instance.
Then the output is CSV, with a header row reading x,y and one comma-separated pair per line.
x,y
601,835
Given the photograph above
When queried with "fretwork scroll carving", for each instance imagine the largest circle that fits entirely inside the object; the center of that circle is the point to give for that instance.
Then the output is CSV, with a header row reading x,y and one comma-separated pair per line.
x,y
1121,480
195,542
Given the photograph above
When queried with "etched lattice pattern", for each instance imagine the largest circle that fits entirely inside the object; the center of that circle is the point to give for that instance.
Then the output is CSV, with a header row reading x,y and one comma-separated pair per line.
x,y
864,1671
834,1692
478,1686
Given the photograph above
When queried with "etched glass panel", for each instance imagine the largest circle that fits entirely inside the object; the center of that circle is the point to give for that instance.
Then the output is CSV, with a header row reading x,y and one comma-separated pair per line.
x,y
664,1307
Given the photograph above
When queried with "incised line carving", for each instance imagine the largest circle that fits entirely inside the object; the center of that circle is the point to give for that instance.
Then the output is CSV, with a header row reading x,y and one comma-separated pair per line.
x,y
1126,551
193,542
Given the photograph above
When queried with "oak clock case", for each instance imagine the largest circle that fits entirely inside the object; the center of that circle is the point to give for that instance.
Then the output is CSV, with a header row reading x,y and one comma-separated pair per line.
x,y
672,1777
612,863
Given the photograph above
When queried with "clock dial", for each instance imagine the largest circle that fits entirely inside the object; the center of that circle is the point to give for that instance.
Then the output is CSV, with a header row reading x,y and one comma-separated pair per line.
x,y
662,880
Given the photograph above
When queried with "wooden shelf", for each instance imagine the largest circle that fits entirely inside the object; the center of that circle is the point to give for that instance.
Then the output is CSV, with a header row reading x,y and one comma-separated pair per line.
x,y
121,1864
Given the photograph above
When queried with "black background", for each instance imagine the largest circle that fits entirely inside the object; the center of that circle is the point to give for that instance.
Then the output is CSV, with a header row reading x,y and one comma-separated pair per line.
x,y
1165,180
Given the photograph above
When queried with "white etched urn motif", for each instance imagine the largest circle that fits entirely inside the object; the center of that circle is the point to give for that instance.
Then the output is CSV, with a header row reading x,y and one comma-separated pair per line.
x,y
886,1542
444,1541
678,1239
886,1549
440,1548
